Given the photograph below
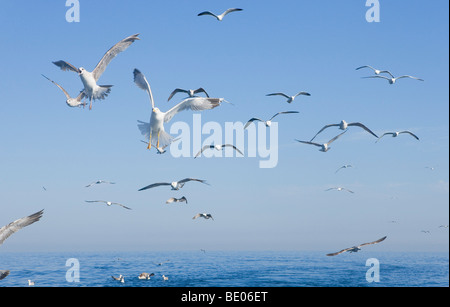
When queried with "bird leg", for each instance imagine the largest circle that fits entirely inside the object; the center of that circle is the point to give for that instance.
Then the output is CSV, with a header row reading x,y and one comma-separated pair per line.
x,y
157,142
150,141
90,105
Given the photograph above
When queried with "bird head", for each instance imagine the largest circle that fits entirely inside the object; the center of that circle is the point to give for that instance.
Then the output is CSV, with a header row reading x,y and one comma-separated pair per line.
x,y
155,110
81,70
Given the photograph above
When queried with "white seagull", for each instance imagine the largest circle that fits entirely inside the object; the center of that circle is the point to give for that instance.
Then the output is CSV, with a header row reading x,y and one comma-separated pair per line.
x,y
218,148
165,277
158,118
145,275
339,189
99,182
344,166
31,283
206,216
392,80
89,79
397,133
323,147
71,102
267,122
191,93
443,226
355,249
176,200
289,98
376,71
176,185
219,17
343,125
120,278
108,203
15,226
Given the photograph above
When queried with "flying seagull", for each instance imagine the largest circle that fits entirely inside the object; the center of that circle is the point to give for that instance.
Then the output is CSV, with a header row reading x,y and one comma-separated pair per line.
x,y
71,102
267,122
343,125
99,182
344,166
89,79
15,226
392,80
339,189
443,226
323,147
426,231
176,185
218,148
191,93
397,133
109,203
221,16
355,249
376,71
203,215
289,98
158,118
176,200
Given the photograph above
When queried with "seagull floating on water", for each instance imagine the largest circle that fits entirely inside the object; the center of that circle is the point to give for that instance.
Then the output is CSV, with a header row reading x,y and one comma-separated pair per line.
x,y
99,182
120,278
289,98
108,203
323,147
344,166
71,102
218,148
89,79
158,118
392,80
339,189
31,283
176,185
268,123
355,249
191,93
145,275
221,16
376,71
397,133
203,215
343,125
165,277
176,200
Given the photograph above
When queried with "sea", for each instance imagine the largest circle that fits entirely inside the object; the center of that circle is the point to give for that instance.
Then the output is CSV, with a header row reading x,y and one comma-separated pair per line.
x,y
230,269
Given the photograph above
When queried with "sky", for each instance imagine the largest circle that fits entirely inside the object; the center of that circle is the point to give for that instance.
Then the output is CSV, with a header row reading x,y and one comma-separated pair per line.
x,y
270,46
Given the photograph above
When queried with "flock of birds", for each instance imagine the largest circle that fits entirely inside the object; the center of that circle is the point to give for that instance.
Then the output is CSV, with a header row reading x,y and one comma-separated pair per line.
x,y
155,135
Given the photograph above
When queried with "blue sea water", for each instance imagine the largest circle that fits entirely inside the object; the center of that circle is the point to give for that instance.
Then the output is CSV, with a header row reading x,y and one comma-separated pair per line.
x,y
226,269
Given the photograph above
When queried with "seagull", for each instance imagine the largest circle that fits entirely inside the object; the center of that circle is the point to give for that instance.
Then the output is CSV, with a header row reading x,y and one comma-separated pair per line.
x,y
30,283
176,185
176,200
15,226
191,93
120,278
343,125
203,215
146,275
323,147
161,263
109,203
158,118
376,71
355,249
71,102
397,133
426,231
339,189
218,148
344,166
219,17
89,79
165,277
431,168
267,122
392,80
443,226
99,182
289,98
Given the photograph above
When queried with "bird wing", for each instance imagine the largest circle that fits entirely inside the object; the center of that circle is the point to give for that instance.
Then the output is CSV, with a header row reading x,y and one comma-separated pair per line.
x,y
154,185
60,87
384,135
234,147
287,112
251,121
142,83
378,76
364,127
336,137
349,190
374,242
203,149
192,179
406,76
197,216
111,53
201,90
177,90
231,10
387,72
170,200
3,274
194,104
302,93
366,66
409,132
121,205
96,201
66,66
207,13
340,252
15,226
183,199
278,94
310,143
325,127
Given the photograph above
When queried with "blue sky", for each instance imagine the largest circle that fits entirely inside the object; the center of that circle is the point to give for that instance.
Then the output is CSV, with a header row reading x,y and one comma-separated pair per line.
x,y
293,46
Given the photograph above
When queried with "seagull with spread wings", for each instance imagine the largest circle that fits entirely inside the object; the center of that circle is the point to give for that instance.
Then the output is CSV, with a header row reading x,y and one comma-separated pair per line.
x,y
340,189
343,125
289,98
343,166
206,216
397,133
71,102
99,182
191,93
218,148
392,80
108,203
323,147
15,226
376,71
176,185
355,249
267,122
176,200
221,16
89,79
158,118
